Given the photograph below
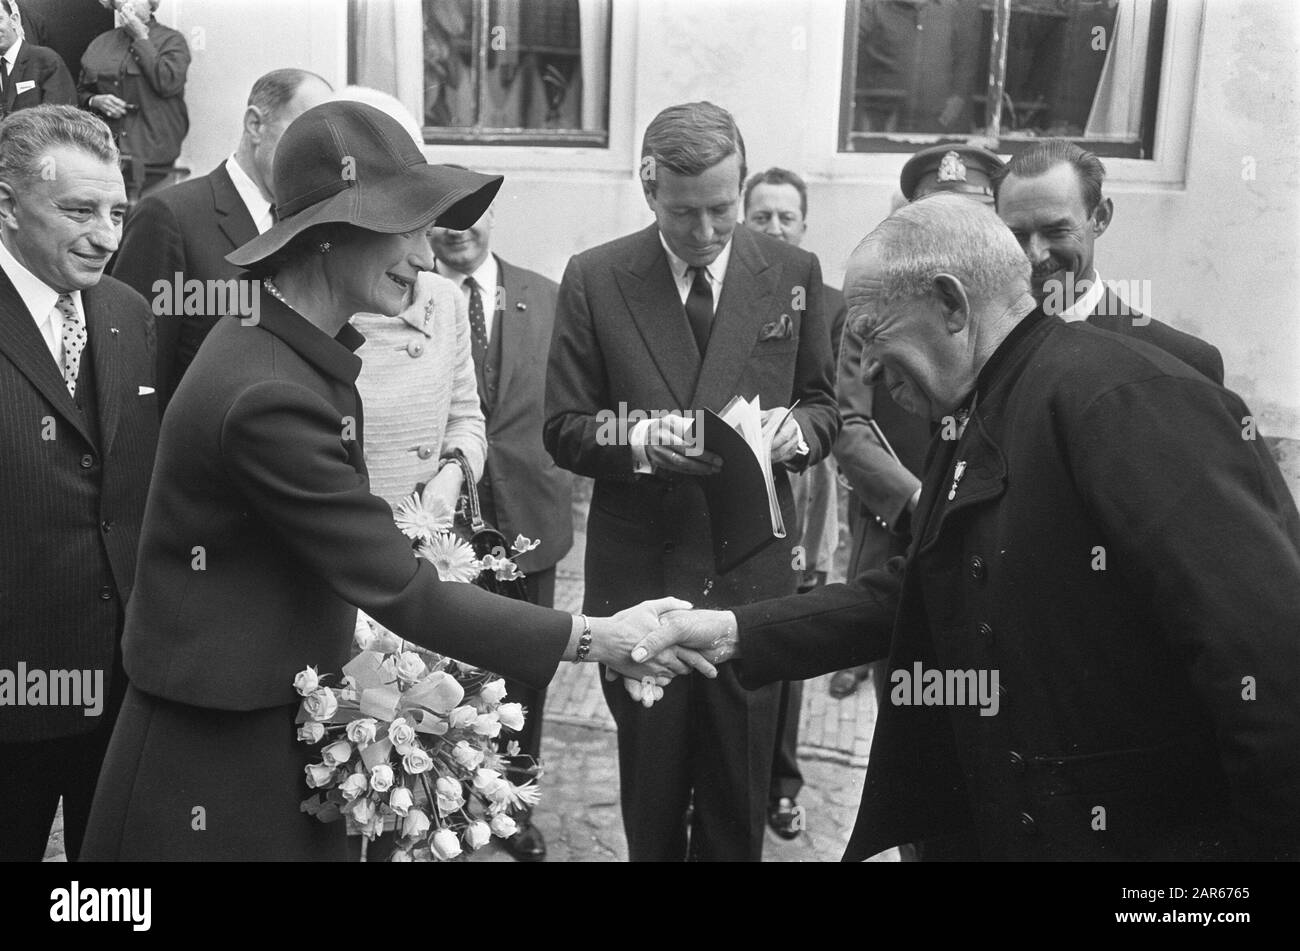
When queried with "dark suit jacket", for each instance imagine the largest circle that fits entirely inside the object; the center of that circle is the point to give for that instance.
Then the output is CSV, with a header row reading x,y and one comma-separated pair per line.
x,y
1122,687
261,475
72,504
531,495
187,229
622,339
50,79
1113,313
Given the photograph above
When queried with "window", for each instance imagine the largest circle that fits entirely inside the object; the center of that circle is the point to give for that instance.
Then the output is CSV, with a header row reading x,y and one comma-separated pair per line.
x,y
925,71
490,72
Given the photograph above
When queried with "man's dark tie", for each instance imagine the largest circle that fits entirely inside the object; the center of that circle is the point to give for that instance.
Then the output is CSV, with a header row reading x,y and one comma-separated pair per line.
x,y
477,325
699,308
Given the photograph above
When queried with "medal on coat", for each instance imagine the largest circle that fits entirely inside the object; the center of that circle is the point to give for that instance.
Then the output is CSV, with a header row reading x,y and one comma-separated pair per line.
x,y
956,478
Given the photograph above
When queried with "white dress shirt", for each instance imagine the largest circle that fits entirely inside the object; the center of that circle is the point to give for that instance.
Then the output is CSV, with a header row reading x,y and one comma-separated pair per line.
x,y
40,299
259,209
681,271
487,279
11,57
1083,306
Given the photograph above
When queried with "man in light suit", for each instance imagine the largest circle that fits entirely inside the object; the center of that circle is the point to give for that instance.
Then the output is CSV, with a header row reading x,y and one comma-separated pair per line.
x,y
188,229
78,427
523,491
29,74
684,315
1050,197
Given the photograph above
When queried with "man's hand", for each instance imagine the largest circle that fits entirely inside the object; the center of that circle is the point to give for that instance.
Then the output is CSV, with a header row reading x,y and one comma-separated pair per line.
x,y
785,440
109,105
679,660
714,634
613,638
139,29
668,446
443,489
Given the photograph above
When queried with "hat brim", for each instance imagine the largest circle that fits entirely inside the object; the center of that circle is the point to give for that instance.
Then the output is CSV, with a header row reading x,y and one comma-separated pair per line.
x,y
418,197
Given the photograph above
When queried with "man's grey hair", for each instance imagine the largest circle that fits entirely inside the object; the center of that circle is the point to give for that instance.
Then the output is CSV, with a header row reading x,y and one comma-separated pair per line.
x,y
690,139
275,90
29,136
947,234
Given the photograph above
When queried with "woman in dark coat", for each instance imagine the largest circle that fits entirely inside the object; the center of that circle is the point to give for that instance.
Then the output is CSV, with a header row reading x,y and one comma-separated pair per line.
x,y
261,533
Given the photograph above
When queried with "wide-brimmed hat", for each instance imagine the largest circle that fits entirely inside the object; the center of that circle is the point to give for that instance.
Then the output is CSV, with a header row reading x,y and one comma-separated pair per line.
x,y
349,162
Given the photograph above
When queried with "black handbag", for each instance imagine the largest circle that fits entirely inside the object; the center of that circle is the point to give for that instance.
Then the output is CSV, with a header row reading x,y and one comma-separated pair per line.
x,y
470,527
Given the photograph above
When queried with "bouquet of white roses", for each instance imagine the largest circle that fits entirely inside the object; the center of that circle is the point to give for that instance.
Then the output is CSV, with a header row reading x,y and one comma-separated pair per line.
x,y
408,746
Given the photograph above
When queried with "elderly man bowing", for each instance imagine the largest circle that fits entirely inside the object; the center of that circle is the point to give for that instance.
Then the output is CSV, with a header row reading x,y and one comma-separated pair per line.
x,y
1095,652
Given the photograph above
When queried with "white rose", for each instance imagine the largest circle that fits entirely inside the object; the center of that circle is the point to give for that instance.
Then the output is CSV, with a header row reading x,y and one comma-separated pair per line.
x,y
337,753
312,732
477,835
487,724
493,692
416,824
318,775
410,667
488,781
362,732
402,734
401,855
400,800
364,635
306,681
352,787
386,642
417,761
466,755
503,826
445,844
462,717
363,811
381,778
511,716
320,704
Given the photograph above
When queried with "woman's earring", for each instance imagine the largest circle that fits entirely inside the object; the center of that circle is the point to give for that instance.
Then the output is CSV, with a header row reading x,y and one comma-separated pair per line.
x,y
325,247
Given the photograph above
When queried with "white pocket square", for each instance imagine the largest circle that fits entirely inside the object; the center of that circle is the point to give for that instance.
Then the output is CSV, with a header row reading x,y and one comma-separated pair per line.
x,y
26,86
145,391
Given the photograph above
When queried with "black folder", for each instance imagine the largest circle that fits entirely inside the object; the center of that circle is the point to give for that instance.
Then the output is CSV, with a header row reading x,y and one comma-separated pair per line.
x,y
740,509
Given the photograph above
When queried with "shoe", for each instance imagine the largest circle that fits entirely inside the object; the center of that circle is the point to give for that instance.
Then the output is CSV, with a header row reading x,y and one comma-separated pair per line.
x,y
527,845
785,816
843,684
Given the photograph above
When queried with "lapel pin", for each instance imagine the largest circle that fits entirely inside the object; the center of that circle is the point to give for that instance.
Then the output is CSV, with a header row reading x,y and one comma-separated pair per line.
x,y
113,331
520,305
956,479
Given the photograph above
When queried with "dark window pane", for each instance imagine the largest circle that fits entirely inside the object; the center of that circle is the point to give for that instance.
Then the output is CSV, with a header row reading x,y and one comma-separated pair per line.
x,y
919,66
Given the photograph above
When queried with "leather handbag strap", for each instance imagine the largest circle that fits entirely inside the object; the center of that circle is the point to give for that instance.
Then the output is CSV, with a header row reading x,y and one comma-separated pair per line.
x,y
476,523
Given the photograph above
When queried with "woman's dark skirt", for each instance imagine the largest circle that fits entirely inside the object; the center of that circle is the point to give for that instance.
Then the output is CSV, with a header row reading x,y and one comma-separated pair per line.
x,y
188,784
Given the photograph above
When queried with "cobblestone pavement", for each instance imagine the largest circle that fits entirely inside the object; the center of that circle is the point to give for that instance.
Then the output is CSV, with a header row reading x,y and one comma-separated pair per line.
x,y
579,812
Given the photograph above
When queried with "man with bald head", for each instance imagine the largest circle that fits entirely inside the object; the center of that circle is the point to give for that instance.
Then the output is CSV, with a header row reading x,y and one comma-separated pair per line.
x,y
1092,648
184,232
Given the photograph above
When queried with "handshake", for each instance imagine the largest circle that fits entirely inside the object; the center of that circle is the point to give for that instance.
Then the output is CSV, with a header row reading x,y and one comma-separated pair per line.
x,y
650,644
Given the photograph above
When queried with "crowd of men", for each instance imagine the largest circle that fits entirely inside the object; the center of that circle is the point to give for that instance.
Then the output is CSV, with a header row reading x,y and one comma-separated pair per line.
x,y
1045,483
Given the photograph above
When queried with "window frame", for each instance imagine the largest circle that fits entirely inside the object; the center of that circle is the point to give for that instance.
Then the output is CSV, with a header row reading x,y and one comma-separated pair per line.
x,y
497,137
909,142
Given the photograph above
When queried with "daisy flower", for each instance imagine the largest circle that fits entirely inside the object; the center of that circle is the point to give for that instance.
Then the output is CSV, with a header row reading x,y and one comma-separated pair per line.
x,y
421,521
453,558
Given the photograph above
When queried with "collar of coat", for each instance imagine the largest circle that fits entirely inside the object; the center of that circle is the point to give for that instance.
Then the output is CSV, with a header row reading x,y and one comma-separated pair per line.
x,y
984,473
334,356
